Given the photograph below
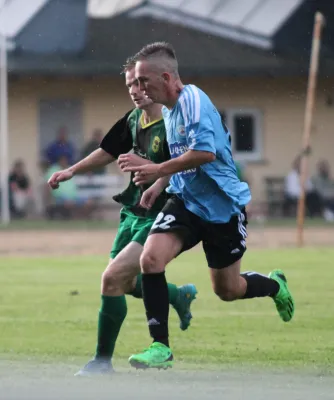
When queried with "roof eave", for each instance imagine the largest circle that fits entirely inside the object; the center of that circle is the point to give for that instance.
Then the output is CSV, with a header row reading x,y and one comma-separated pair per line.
x,y
200,24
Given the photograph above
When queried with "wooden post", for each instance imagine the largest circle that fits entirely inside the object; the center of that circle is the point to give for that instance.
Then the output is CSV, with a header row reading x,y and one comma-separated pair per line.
x,y
5,213
319,21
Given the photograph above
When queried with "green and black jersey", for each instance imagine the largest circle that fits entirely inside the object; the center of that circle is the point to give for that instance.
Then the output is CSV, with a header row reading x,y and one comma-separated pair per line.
x,y
147,141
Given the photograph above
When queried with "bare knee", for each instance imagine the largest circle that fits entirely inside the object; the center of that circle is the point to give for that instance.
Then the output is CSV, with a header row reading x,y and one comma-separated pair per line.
x,y
227,283
109,282
226,292
150,263
114,283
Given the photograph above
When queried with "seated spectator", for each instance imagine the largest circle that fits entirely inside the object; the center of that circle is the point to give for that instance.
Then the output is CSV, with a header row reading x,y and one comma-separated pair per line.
x,y
324,187
65,200
292,192
20,193
91,146
61,146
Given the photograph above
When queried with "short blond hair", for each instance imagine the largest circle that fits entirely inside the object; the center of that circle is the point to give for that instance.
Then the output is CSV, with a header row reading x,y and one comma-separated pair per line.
x,y
163,53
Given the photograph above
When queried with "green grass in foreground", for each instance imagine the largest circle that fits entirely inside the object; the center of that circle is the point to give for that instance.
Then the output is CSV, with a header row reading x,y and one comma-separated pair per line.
x,y
113,223
39,318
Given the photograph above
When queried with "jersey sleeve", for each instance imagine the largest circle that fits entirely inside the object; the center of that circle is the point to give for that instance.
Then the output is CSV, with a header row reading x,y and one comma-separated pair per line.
x,y
119,139
198,126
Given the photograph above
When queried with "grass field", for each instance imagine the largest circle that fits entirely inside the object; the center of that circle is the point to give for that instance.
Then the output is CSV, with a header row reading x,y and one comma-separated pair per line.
x,y
40,319
111,223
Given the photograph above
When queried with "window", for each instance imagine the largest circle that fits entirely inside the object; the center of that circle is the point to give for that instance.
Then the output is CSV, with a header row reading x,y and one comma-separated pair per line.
x,y
245,125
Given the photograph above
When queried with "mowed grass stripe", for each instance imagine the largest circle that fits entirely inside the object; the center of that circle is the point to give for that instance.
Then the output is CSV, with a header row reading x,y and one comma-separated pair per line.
x,y
40,318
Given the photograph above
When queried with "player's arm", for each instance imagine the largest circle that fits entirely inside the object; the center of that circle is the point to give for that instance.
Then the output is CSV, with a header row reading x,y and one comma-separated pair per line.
x,y
131,160
190,159
117,141
153,192
98,158
200,141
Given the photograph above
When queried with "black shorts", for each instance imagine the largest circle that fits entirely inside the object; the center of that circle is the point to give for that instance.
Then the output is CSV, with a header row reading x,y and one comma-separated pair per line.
x,y
223,244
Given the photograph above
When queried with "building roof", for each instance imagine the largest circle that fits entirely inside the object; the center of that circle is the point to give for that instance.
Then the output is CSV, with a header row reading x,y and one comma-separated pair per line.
x,y
58,27
15,15
252,21
105,50
218,39
109,9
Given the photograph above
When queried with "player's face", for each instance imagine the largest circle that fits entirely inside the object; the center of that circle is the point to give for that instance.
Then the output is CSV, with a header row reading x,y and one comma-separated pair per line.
x,y
150,82
137,96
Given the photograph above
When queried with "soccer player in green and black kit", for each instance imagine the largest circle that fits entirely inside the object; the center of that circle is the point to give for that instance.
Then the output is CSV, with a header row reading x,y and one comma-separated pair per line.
x,y
141,130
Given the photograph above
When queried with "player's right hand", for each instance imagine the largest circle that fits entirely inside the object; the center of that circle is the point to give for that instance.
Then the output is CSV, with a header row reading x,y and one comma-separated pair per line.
x,y
149,196
59,176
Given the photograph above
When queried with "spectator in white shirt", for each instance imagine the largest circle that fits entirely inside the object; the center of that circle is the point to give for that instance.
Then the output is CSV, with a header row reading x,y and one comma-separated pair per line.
x,y
292,192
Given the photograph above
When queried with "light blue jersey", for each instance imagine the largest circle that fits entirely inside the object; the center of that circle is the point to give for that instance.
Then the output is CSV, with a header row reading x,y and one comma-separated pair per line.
x,y
211,191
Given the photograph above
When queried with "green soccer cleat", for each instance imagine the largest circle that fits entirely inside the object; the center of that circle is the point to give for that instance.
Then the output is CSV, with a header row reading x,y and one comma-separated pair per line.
x,y
186,295
283,299
156,356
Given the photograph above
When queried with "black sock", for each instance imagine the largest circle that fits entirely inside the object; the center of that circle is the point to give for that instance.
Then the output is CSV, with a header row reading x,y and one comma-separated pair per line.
x,y
259,285
156,301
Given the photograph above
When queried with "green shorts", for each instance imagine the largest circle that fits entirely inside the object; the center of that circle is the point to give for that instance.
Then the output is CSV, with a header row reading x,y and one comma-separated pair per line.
x,y
132,228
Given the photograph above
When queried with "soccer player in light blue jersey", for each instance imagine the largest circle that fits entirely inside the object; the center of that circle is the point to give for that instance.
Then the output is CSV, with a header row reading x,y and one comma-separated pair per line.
x,y
208,203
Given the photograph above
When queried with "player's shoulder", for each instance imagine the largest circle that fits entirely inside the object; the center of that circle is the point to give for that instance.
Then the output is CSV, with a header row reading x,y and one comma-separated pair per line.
x,y
191,101
192,93
134,114
161,124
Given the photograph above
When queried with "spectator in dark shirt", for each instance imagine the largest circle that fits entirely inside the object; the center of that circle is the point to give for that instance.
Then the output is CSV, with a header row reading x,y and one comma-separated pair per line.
x,y
20,194
61,147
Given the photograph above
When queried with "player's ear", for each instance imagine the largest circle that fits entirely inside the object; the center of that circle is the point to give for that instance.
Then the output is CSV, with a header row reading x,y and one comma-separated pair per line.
x,y
165,77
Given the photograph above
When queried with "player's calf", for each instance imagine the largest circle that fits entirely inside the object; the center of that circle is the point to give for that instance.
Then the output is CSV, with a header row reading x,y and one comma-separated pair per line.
x,y
227,283
159,250
230,285
258,285
227,293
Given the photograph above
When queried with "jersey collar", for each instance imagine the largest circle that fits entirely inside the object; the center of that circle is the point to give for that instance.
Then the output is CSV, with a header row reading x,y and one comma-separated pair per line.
x,y
144,126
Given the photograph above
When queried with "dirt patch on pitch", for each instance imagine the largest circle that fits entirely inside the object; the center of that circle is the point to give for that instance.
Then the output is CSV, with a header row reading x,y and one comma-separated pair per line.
x,y
56,382
94,242
46,243
287,237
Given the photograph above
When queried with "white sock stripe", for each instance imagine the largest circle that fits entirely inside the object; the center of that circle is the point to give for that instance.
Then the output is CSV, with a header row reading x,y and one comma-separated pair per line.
x,y
251,273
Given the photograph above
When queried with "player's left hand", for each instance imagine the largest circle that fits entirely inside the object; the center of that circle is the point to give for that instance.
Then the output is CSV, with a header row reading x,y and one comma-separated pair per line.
x,y
145,173
149,196
131,160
